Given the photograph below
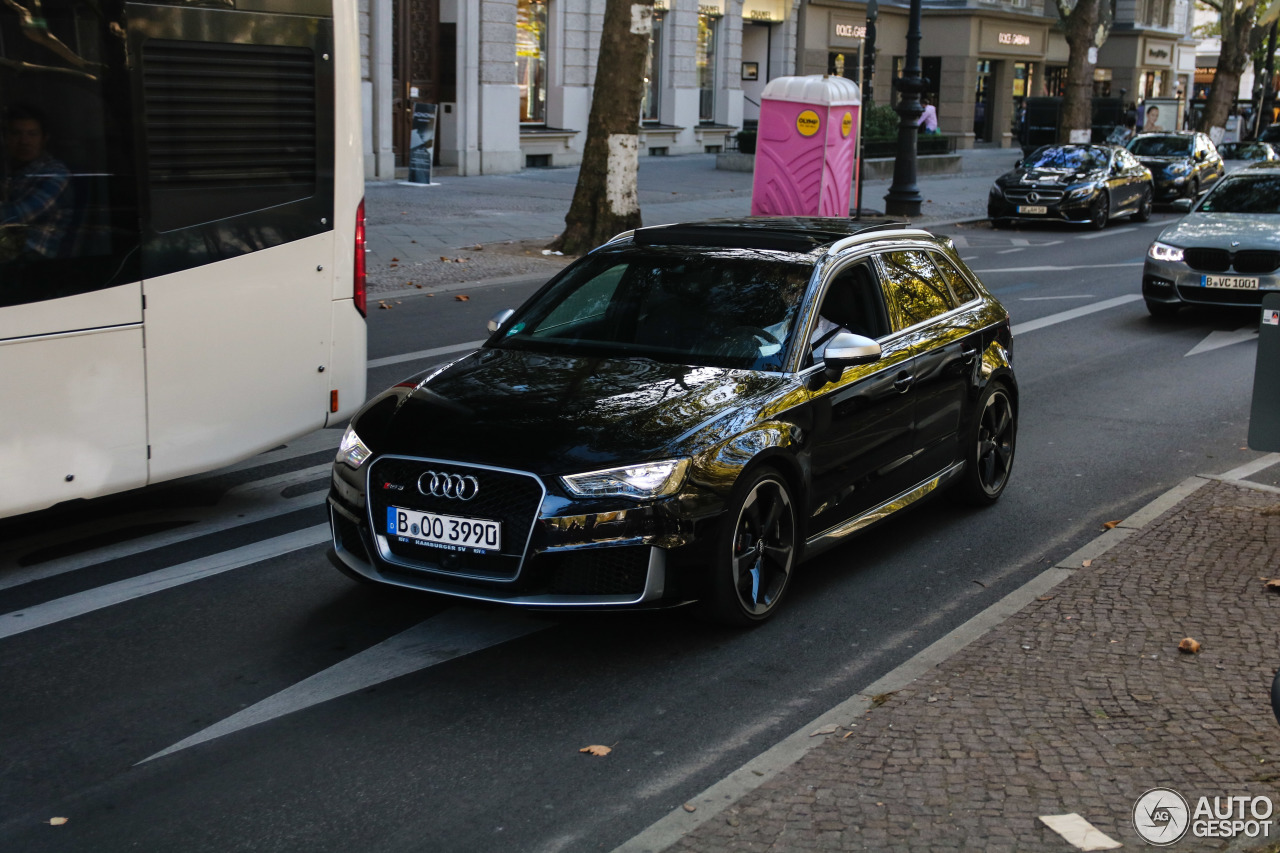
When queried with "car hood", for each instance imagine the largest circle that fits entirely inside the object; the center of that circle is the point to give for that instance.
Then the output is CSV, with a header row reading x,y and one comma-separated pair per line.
x,y
1219,230
1048,177
555,413
1155,164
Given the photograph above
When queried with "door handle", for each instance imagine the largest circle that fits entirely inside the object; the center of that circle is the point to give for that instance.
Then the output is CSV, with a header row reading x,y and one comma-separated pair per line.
x,y
903,383
967,356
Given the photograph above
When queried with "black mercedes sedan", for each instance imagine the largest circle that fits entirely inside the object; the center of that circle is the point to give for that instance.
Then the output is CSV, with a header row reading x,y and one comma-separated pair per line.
x,y
1182,164
685,414
1087,184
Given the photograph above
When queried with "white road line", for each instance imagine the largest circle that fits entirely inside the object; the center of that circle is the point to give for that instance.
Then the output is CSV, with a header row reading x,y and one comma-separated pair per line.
x,y
1248,469
1008,251
423,354
245,504
71,606
1019,241
1218,340
452,634
1049,298
1082,311
1060,269
1097,234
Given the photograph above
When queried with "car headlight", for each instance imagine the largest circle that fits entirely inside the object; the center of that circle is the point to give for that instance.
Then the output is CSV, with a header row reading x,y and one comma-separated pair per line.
x,y
1164,252
1081,191
352,450
649,480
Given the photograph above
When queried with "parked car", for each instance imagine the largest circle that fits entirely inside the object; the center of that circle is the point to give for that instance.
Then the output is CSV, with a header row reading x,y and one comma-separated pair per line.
x,y
1270,134
685,414
1182,164
1226,251
1236,154
1088,184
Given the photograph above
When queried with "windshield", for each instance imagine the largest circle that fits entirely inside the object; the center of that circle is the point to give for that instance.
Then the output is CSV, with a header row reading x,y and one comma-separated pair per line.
x,y
1075,159
1253,194
706,307
1161,146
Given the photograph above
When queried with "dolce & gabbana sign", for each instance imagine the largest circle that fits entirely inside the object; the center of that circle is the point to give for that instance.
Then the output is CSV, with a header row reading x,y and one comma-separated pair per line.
x,y
1003,37
847,32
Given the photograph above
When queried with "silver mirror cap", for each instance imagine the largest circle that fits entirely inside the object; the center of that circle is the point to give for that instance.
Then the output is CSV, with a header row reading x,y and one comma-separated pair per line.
x,y
847,348
496,321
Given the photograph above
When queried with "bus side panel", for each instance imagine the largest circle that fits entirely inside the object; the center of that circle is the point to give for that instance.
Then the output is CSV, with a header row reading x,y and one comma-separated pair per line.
x,y
349,374
81,430
236,356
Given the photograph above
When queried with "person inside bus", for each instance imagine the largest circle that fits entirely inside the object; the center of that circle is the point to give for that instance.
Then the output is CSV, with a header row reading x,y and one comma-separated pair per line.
x,y
34,208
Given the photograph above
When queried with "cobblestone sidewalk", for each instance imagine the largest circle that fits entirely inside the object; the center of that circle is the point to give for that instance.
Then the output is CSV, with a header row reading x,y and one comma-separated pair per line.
x,y
1079,703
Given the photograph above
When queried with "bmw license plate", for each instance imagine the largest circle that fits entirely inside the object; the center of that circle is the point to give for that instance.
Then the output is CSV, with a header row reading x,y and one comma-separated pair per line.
x,y
1230,282
1039,209
449,532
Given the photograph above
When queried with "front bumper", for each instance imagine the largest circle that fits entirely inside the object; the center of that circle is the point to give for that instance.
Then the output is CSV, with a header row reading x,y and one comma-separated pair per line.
x,y
1167,189
1176,283
578,553
1076,210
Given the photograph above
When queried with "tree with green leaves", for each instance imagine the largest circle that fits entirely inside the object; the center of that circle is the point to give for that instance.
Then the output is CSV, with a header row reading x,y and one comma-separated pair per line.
x,y
605,201
1236,24
1085,25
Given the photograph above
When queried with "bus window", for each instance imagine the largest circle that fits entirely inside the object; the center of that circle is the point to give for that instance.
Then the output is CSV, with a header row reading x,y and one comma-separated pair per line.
x,y
68,211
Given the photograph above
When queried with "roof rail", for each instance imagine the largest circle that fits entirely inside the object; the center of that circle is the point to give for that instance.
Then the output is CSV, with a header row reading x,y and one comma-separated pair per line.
x,y
871,236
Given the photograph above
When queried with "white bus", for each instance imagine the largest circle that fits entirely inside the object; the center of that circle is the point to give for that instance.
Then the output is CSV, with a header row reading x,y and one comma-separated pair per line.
x,y
194,292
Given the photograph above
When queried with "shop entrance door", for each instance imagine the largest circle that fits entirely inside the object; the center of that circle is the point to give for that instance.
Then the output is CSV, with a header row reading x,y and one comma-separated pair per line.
x,y
416,60
983,110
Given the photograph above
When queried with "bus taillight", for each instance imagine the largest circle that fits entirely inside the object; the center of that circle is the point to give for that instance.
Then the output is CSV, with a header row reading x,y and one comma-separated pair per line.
x,y
358,287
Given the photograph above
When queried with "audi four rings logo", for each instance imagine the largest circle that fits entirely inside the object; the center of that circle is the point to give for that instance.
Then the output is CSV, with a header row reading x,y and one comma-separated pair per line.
x,y
463,487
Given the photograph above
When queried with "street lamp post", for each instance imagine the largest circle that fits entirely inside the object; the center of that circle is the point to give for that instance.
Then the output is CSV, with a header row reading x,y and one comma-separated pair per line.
x,y
868,72
903,198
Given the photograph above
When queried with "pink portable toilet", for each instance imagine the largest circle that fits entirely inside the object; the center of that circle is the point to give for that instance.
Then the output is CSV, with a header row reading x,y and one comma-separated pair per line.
x,y
806,146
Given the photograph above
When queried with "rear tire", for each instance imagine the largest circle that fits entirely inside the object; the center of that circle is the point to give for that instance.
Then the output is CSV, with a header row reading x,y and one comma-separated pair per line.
x,y
1143,213
756,551
990,440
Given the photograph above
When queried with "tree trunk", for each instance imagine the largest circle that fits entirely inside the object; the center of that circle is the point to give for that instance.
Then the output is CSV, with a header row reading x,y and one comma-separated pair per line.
x,y
605,201
1085,26
1237,23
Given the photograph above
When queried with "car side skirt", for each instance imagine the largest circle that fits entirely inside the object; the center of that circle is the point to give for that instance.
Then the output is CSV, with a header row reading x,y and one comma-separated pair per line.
x,y
834,535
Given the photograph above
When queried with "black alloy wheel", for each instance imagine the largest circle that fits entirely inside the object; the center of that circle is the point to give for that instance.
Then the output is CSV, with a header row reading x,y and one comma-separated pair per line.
x,y
1100,211
756,555
990,443
1143,213
1193,189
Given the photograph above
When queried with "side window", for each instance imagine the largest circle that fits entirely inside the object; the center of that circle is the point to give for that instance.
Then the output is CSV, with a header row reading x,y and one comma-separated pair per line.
x,y
915,289
960,286
852,303
68,211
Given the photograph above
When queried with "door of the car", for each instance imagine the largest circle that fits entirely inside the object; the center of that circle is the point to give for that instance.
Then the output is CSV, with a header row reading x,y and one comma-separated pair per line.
x,y
862,419
1126,182
927,297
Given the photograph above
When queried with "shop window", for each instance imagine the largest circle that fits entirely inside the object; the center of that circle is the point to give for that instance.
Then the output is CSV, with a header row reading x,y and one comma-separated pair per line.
x,y
705,62
651,103
531,59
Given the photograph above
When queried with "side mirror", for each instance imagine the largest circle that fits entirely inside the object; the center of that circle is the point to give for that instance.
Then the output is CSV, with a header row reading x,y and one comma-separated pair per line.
x,y
1018,163
847,349
1182,205
496,321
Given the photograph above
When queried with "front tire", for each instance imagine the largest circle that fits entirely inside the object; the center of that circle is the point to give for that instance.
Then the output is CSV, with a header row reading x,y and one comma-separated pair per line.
x,y
1143,212
1100,212
990,441
756,551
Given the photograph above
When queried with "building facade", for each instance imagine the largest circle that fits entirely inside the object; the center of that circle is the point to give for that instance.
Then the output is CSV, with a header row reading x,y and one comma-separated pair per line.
x,y
983,58
513,78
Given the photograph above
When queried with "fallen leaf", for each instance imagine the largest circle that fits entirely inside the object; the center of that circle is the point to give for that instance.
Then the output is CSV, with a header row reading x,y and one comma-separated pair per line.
x,y
392,266
477,248
880,698
394,260
1087,563
58,821
462,297
445,260
1274,583
1045,598
1111,525
596,749
413,241
384,305
1189,646
825,730
847,735
690,807
417,286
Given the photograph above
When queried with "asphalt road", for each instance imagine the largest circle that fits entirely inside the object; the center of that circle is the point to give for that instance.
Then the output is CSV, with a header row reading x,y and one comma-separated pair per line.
x,y
184,670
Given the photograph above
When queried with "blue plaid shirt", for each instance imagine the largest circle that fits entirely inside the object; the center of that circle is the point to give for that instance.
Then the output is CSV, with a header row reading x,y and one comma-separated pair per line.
x,y
36,195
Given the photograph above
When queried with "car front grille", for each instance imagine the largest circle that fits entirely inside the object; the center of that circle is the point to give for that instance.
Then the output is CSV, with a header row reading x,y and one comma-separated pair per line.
x,y
511,498
1019,195
1220,260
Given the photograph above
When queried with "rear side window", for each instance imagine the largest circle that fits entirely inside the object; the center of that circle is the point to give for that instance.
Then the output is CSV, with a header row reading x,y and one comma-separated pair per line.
x,y
960,286
915,289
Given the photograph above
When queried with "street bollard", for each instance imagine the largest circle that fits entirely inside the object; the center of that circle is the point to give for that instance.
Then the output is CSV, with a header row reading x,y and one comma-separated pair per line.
x,y
1264,414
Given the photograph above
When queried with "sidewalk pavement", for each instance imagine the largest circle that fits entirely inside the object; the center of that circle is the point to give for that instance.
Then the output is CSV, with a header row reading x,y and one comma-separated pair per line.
x,y
1068,697
426,238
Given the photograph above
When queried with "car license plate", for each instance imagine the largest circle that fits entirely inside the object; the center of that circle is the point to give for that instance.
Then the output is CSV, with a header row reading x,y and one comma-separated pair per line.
x,y
1230,282
446,531
1033,208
